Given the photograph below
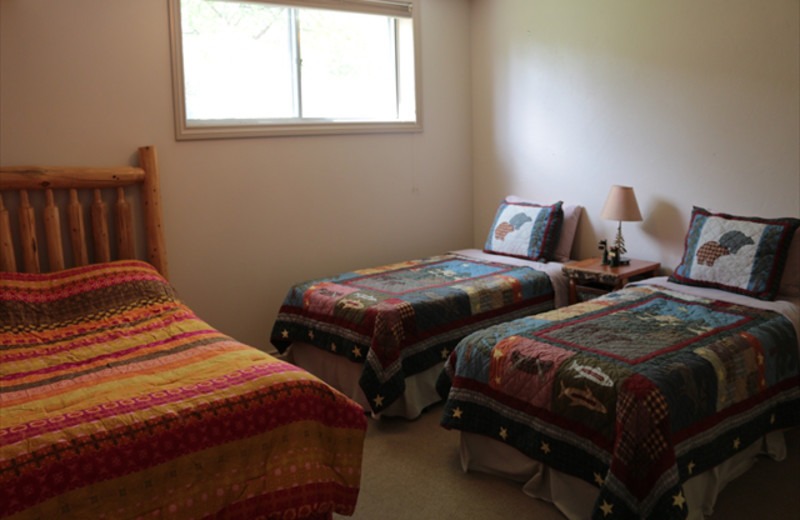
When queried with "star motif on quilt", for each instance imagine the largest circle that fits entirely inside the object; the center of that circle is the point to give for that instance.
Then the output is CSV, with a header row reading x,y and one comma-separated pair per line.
x,y
545,447
498,380
445,353
599,479
378,400
284,334
760,359
736,442
503,433
497,353
457,413
690,467
678,500
607,508
356,352
311,334
333,347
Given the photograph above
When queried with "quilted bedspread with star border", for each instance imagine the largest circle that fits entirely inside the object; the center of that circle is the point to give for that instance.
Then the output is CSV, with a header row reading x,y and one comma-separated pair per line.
x,y
403,318
634,392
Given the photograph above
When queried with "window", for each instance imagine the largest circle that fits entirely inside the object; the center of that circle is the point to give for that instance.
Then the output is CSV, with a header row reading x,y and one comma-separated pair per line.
x,y
291,67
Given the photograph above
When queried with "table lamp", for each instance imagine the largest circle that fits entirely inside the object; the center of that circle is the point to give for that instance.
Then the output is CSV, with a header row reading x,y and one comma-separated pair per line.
x,y
621,206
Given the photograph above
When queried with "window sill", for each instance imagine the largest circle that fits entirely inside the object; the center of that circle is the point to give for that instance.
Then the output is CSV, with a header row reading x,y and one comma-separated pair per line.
x,y
238,130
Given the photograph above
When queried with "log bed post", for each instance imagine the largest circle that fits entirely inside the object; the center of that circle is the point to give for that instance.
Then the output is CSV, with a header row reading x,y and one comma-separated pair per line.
x,y
52,230
77,232
27,234
124,221
102,249
8,262
151,201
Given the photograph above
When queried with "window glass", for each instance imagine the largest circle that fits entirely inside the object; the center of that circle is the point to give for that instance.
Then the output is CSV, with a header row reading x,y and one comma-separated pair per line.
x,y
236,60
348,65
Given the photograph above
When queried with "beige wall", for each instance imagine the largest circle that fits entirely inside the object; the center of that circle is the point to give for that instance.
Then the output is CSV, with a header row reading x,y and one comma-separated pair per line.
x,y
88,81
690,102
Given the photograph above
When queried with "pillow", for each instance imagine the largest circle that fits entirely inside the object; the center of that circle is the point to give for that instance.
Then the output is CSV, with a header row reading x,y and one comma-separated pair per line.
x,y
569,226
525,230
745,255
790,281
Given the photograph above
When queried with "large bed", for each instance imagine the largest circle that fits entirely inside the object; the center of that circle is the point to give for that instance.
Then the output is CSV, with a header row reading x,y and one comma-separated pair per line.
x,y
381,335
645,402
119,402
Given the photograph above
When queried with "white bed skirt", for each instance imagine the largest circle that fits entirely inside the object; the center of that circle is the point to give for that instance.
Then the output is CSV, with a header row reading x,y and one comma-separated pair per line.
x,y
343,375
575,498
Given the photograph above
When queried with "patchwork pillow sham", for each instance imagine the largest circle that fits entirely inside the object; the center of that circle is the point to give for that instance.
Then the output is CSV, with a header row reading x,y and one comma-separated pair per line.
x,y
525,230
569,226
745,255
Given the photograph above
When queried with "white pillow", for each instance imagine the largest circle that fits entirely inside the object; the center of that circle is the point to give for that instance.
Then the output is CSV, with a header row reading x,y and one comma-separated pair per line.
x,y
790,281
572,214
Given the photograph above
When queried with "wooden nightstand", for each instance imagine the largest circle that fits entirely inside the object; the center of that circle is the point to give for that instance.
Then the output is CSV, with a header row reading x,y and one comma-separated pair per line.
x,y
590,278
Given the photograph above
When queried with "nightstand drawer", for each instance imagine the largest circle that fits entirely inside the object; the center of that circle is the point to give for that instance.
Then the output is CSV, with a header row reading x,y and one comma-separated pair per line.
x,y
590,291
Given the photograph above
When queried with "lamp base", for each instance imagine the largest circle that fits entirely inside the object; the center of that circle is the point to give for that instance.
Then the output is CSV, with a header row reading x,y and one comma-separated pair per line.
x,y
614,261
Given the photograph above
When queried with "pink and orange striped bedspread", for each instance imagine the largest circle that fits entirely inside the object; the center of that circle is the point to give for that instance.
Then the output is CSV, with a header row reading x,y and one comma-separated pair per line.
x,y
117,401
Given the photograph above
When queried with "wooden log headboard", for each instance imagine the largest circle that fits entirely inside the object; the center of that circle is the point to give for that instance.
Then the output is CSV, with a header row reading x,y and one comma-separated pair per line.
x,y
75,180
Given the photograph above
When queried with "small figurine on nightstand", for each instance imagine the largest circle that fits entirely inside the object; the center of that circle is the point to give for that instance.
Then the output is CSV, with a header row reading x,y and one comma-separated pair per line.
x,y
614,254
603,246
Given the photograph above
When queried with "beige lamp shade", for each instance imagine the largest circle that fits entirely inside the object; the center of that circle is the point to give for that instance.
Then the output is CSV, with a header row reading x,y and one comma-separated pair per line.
x,y
621,205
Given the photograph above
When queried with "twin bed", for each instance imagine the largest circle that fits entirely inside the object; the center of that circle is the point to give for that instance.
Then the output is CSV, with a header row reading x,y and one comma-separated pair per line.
x,y
381,335
645,402
117,401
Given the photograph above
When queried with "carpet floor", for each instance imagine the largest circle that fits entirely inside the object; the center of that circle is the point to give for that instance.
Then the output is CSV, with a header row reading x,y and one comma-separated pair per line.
x,y
411,471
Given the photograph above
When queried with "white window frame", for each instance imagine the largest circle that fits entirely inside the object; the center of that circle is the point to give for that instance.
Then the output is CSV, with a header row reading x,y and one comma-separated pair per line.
x,y
291,127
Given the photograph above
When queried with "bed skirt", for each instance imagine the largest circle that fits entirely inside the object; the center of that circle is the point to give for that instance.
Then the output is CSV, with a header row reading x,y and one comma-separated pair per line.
x,y
343,375
575,497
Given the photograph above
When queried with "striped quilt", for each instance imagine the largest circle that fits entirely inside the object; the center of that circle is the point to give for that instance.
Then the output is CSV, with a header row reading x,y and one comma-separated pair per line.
x,y
634,392
117,401
401,319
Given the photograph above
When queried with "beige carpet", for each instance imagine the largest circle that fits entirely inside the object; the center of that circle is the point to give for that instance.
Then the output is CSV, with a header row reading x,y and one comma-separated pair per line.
x,y
411,471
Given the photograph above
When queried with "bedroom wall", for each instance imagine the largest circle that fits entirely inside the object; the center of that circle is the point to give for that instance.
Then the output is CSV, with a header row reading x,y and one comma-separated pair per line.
x,y
88,81
691,103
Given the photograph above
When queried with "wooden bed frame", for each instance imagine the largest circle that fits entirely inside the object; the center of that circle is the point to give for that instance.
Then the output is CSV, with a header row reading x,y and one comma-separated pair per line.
x,y
71,180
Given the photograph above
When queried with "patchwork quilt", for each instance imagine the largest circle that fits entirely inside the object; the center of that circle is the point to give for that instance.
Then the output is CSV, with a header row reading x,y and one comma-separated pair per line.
x,y
634,392
117,401
403,318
